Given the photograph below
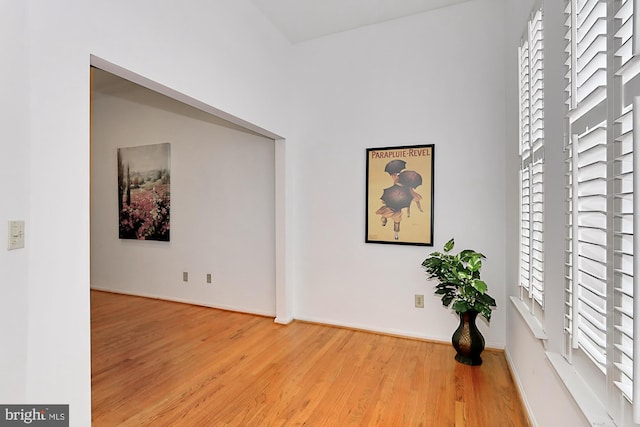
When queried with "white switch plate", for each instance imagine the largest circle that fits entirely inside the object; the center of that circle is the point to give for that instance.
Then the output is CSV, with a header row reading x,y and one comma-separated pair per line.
x,y
16,235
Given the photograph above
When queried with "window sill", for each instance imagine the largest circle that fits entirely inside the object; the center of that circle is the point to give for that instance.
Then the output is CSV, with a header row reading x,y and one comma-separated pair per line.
x,y
534,324
588,403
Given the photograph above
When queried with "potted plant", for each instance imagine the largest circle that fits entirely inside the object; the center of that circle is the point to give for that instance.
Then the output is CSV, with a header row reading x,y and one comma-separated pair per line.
x,y
459,286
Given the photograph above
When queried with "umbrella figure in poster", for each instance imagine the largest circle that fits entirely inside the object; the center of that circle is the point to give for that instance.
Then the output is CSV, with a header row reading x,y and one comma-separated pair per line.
x,y
394,167
399,195
411,180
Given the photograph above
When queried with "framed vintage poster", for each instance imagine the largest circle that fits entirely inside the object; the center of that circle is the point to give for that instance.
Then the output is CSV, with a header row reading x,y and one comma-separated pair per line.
x,y
400,195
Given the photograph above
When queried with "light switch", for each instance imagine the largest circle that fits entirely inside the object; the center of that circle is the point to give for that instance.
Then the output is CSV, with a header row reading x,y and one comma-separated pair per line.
x,y
16,235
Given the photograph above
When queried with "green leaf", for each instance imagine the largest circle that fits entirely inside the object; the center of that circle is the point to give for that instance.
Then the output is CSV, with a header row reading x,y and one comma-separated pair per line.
x,y
487,300
433,259
441,290
449,245
462,275
446,300
479,286
466,254
474,263
461,306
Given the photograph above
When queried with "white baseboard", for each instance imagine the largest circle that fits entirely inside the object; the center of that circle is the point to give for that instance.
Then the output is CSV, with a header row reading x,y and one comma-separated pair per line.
x,y
186,301
388,331
518,382
283,320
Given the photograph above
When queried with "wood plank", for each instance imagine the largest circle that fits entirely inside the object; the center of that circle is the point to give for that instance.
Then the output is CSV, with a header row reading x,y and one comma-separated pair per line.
x,y
169,364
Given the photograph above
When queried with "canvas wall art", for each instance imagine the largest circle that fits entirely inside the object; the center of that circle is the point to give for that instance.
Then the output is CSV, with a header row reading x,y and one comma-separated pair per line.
x,y
399,206
144,192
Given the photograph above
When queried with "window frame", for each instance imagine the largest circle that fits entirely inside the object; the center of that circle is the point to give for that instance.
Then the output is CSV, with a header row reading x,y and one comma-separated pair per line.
x,y
530,299
602,98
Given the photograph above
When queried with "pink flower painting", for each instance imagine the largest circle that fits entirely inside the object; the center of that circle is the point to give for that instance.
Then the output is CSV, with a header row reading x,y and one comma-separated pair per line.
x,y
144,192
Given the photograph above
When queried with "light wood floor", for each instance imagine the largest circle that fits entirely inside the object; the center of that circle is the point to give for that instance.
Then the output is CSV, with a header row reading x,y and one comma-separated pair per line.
x,y
159,363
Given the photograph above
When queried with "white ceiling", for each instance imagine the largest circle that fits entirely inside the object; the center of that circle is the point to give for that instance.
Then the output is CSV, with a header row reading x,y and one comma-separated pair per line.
x,y
301,20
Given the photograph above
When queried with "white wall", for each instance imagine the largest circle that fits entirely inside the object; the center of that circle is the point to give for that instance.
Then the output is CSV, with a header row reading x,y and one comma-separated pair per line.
x,y
222,52
222,204
14,180
434,78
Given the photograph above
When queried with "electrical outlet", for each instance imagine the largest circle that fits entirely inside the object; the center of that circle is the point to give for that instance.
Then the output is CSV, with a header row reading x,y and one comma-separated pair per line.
x,y
419,301
208,277
16,235
185,276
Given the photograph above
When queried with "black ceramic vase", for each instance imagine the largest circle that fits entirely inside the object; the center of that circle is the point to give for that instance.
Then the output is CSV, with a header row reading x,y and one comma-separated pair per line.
x,y
467,340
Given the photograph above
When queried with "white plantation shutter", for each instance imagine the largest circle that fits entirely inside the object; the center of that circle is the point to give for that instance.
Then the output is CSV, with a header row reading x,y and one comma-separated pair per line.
x,y
599,188
624,32
591,50
531,79
525,99
537,232
586,180
570,220
623,253
569,64
525,231
537,165
626,325
590,203
536,80
525,175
